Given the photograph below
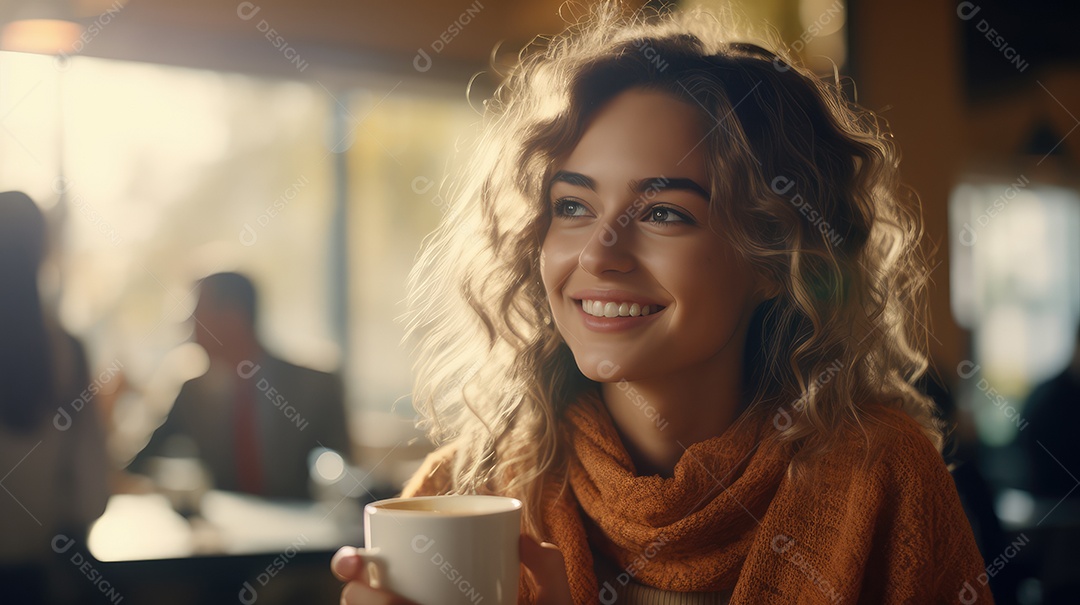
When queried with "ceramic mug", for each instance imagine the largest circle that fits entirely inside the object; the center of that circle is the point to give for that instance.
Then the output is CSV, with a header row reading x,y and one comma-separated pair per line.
x,y
445,550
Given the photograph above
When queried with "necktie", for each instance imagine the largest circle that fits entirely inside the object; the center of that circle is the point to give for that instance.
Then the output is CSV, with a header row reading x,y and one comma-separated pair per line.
x,y
246,441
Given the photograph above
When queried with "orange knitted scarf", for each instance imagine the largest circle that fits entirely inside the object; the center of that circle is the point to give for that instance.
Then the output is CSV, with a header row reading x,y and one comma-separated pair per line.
x,y
889,530
874,525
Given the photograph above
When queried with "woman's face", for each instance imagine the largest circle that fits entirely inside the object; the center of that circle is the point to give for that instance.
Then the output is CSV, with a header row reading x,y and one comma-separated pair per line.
x,y
639,285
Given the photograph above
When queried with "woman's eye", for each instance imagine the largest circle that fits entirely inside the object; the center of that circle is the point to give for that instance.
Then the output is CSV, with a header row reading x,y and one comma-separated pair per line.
x,y
662,215
569,208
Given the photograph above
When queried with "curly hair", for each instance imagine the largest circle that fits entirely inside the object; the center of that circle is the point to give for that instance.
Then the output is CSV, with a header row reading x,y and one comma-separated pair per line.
x,y
805,183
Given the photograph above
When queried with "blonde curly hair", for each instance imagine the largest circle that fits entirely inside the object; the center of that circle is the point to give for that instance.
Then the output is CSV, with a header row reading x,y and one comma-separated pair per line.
x,y
805,183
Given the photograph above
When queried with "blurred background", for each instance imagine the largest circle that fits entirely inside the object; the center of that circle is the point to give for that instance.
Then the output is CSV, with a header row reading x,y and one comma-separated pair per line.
x,y
305,146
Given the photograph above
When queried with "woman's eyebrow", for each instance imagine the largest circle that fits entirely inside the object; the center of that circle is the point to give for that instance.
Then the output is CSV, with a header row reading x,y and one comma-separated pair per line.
x,y
574,178
660,183
656,183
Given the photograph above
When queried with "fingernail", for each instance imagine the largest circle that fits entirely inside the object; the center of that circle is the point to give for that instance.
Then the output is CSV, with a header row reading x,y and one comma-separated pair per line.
x,y
349,565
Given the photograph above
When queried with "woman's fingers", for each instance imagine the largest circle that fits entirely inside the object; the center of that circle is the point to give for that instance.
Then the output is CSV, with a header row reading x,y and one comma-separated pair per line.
x,y
545,563
348,566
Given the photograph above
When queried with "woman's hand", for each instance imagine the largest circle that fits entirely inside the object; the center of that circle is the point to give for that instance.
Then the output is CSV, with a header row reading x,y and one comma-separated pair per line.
x,y
545,563
349,567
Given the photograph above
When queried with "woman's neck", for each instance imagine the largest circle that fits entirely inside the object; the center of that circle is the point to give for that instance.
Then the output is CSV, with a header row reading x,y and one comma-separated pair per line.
x,y
658,418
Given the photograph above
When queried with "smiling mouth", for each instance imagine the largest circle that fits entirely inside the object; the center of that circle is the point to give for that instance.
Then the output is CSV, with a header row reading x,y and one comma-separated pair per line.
x,y
609,309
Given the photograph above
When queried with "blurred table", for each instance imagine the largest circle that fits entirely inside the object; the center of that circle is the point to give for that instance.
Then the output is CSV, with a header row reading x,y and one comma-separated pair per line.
x,y
145,526
236,548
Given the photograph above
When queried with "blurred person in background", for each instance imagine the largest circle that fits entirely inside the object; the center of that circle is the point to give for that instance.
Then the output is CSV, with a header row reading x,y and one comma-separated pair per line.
x,y
1053,413
252,418
1052,458
53,461
961,450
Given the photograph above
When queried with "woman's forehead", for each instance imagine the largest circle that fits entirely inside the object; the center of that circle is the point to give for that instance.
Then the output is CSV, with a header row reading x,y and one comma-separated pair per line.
x,y
638,135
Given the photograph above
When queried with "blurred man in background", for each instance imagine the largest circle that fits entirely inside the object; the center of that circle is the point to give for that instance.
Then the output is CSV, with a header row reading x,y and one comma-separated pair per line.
x,y
253,418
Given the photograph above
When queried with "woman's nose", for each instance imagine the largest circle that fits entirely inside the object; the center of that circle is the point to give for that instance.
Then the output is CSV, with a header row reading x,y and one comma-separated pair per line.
x,y
609,248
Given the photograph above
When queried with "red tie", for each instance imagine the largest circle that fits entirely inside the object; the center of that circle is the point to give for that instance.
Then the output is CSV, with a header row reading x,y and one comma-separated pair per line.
x,y
246,441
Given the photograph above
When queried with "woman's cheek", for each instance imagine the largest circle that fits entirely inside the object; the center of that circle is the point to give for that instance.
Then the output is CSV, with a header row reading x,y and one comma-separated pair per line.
x,y
556,261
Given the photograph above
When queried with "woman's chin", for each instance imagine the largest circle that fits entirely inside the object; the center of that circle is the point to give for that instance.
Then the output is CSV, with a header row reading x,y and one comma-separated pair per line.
x,y
605,369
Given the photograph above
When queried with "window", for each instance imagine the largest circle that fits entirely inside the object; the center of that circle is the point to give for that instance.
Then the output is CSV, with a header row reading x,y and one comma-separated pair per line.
x,y
1016,286
155,176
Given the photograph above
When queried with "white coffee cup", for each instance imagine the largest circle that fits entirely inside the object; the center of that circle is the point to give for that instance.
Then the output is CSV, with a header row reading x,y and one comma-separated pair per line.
x,y
445,550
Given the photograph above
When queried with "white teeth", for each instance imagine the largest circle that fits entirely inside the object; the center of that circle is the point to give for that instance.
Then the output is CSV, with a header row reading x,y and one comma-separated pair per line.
x,y
599,308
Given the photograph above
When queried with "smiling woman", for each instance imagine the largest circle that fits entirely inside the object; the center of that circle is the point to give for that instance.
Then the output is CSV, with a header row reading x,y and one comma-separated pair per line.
x,y
700,395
